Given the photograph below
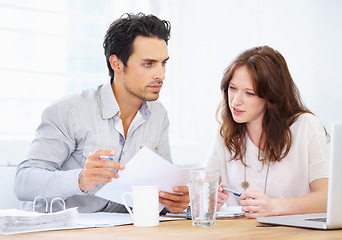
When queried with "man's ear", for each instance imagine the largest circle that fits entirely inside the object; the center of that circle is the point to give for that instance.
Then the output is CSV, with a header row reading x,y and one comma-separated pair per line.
x,y
115,63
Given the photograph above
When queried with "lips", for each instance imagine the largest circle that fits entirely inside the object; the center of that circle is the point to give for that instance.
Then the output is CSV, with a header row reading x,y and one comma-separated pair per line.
x,y
237,111
155,88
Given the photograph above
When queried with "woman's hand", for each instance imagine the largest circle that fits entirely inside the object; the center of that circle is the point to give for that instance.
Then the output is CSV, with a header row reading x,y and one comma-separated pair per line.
x,y
222,197
256,204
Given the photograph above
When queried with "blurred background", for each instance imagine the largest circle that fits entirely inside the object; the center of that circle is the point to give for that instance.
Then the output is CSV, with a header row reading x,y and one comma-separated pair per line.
x,y
49,49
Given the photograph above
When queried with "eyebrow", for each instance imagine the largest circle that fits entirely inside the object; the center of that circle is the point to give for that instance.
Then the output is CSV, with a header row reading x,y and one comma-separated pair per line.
x,y
154,60
248,89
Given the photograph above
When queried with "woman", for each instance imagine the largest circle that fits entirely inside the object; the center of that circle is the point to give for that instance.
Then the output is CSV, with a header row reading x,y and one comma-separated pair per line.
x,y
270,146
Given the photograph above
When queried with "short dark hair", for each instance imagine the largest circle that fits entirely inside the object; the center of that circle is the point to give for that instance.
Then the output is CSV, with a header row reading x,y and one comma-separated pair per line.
x,y
122,32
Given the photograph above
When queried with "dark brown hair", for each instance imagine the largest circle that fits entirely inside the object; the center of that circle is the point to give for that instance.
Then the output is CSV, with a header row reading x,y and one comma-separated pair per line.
x,y
123,31
272,82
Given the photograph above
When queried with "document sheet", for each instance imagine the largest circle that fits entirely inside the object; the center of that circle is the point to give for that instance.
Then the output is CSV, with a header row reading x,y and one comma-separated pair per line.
x,y
145,168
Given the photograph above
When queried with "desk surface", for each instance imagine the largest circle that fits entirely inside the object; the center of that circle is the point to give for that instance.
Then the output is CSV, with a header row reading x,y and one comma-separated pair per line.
x,y
241,228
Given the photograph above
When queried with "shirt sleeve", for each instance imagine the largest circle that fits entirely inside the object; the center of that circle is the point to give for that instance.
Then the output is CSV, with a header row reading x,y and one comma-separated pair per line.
x,y
40,174
318,149
213,161
218,157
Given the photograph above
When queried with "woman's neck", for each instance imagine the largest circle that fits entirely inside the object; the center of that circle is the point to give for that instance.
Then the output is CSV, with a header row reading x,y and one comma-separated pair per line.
x,y
254,132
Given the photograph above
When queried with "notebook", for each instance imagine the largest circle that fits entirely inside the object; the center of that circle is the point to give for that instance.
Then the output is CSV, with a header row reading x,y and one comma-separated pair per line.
x,y
332,219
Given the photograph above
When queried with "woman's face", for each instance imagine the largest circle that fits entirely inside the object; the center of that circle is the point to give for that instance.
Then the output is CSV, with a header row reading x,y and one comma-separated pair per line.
x,y
245,105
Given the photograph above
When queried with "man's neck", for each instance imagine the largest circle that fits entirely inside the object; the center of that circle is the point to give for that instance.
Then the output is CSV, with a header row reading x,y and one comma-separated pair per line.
x,y
129,106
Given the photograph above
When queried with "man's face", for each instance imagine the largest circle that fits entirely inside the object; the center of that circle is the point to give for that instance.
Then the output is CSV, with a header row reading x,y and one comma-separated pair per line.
x,y
145,71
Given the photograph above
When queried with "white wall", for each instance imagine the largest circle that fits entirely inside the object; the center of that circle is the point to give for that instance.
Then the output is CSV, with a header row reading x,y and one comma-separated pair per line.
x,y
212,33
208,34
8,198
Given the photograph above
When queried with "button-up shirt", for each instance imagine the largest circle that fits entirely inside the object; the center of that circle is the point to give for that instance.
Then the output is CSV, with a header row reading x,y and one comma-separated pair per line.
x,y
76,126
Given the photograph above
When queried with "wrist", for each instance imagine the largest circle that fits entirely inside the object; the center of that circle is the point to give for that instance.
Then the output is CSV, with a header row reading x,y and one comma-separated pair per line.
x,y
80,185
277,207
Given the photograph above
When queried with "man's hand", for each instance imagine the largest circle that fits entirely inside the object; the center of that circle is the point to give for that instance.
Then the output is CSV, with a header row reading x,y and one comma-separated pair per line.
x,y
96,170
175,202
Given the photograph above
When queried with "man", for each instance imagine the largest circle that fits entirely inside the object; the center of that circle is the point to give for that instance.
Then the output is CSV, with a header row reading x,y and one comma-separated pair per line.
x,y
115,120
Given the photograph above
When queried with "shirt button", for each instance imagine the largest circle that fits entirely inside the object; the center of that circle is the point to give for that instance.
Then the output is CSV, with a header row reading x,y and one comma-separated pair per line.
x,y
141,147
123,153
156,148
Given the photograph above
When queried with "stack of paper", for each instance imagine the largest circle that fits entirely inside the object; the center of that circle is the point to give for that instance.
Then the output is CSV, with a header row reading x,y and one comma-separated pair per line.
x,y
19,221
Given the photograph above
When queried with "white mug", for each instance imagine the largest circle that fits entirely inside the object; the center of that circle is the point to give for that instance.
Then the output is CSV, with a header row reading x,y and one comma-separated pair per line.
x,y
145,205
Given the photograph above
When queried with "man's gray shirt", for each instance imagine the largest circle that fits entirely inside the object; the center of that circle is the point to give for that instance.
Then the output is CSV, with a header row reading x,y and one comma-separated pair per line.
x,y
76,126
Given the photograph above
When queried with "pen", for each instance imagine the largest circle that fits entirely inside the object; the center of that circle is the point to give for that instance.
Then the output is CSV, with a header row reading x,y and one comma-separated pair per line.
x,y
106,157
232,191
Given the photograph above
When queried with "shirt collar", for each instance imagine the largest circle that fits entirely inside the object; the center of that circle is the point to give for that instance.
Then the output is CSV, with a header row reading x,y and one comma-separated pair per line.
x,y
110,107
144,110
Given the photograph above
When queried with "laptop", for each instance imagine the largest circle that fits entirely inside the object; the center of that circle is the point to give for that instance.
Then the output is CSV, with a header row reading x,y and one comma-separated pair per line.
x,y
332,219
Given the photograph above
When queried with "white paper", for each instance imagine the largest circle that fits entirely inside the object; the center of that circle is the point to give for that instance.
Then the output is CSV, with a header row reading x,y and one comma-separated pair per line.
x,y
144,169
83,220
13,221
229,212
104,219
224,212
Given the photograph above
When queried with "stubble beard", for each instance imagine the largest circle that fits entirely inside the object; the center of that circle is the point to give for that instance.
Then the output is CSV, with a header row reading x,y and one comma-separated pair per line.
x,y
141,94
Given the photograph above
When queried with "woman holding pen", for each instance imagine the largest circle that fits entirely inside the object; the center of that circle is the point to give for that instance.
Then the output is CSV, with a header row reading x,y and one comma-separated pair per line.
x,y
269,147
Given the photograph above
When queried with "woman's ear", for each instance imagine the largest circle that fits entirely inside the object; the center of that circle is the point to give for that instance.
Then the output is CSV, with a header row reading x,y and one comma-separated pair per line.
x,y
115,63
267,106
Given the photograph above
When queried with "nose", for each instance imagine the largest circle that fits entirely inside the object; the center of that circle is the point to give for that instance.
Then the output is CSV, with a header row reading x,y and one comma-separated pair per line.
x,y
237,99
160,73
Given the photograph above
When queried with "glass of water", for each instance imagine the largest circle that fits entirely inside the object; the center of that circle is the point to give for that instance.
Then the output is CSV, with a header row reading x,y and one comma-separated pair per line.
x,y
203,187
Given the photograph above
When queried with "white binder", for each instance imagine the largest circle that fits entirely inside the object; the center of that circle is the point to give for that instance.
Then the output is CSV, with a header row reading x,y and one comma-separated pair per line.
x,y
14,221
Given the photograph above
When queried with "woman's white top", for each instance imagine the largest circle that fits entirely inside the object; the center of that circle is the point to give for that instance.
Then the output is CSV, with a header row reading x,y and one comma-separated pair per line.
x,y
289,178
